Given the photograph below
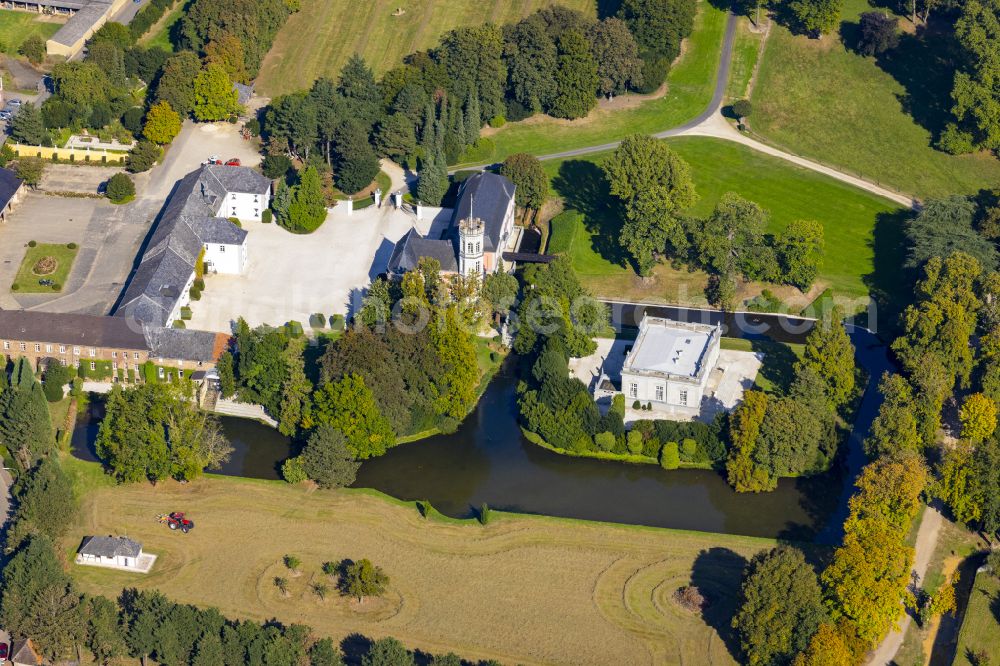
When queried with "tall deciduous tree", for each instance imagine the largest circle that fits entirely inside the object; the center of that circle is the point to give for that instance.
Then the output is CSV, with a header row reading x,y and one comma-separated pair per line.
x,y
226,51
527,174
828,352
617,56
800,252
781,606
363,579
978,416
817,16
975,93
895,428
655,186
214,95
729,239
530,54
348,405
744,431
162,123
176,82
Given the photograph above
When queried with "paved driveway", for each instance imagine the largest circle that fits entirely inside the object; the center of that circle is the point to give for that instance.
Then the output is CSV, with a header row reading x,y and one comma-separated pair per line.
x,y
108,236
78,179
289,277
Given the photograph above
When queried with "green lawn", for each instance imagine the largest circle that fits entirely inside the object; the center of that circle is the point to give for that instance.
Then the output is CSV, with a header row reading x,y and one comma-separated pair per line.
x,y
15,27
690,86
159,34
27,279
981,627
318,39
863,232
746,53
824,101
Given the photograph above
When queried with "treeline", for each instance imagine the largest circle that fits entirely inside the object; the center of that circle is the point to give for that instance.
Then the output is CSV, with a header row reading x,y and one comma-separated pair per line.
x,y
221,43
656,190
788,614
40,601
25,426
796,433
950,345
431,108
974,94
156,431
147,16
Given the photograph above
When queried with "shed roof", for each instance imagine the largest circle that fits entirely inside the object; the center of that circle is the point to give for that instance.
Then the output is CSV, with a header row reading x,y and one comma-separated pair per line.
x,y
110,546
22,651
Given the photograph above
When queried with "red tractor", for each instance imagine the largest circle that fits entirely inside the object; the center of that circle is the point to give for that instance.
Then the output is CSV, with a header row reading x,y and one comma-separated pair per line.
x,y
176,521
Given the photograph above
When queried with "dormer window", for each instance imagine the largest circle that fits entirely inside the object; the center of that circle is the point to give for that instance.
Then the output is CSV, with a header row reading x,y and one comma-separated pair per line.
x,y
233,196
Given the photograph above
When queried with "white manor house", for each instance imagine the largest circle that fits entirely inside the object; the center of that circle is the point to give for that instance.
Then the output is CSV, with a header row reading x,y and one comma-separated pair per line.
x,y
670,362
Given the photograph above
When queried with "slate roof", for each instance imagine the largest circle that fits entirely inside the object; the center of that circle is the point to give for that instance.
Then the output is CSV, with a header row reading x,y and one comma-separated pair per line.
x,y
187,344
22,651
9,185
70,329
244,93
486,196
80,23
109,546
236,179
412,246
187,223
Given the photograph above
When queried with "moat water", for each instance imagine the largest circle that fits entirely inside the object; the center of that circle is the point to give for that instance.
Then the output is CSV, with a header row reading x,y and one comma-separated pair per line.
x,y
488,461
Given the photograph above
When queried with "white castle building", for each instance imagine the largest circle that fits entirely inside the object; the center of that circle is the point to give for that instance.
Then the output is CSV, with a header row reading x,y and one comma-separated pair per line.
x,y
480,231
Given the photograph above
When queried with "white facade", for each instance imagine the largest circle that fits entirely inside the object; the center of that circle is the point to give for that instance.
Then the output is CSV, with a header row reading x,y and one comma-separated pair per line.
x,y
185,299
226,258
670,363
244,206
470,247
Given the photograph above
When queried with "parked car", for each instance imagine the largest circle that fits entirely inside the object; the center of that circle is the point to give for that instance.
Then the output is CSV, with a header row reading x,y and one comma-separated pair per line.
x,y
5,115
214,159
233,161
3,651
15,102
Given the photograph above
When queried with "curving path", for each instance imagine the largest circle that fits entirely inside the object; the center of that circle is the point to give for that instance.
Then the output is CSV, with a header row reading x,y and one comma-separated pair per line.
x,y
711,123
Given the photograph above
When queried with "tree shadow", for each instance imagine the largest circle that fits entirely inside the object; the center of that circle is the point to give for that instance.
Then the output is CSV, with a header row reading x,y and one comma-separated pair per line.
x,y
354,647
924,63
819,496
718,574
889,283
584,187
945,647
606,8
779,363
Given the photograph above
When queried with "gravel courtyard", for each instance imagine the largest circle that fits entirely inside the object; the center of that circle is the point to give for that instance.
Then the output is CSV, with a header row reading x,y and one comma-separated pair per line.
x,y
289,276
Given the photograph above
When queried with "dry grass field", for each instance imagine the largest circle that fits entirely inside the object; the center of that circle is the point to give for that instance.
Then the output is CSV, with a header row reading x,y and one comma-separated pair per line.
x,y
318,40
523,589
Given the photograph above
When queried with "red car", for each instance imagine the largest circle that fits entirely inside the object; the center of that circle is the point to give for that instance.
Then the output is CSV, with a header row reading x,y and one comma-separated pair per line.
x,y
233,162
3,651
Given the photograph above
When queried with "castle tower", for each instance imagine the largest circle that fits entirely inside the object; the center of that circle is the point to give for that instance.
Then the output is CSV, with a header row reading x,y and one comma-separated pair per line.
x,y
470,246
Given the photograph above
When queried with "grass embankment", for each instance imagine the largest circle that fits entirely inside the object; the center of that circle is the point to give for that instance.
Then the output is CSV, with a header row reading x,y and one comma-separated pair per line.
x,y
36,266
689,90
877,118
863,232
746,53
318,39
981,627
582,593
159,34
15,27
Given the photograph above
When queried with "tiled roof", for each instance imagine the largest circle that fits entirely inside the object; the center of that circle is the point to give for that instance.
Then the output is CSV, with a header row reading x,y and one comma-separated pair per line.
x,y
218,230
70,329
109,546
187,344
487,196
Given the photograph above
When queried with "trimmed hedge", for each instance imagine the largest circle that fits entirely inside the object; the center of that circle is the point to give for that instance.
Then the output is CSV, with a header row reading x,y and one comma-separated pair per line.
x,y
317,320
